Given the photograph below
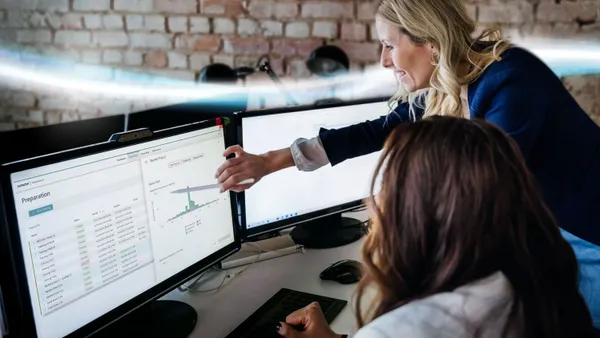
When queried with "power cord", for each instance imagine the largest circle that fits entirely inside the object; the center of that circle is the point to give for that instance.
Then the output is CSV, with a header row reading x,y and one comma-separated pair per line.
x,y
194,287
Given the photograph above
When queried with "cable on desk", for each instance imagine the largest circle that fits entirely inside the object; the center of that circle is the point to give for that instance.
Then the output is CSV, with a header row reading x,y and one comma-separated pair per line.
x,y
193,287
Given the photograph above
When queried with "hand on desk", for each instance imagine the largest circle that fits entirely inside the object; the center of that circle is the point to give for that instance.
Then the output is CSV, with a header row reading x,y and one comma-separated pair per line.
x,y
312,319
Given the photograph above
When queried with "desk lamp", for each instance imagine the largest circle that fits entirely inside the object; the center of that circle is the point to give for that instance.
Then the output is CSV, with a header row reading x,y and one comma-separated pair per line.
x,y
221,73
328,61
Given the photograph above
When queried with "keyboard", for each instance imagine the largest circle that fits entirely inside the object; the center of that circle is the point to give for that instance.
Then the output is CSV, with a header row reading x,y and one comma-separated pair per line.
x,y
262,323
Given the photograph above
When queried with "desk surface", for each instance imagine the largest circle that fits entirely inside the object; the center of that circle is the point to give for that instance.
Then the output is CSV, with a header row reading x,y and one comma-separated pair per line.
x,y
222,311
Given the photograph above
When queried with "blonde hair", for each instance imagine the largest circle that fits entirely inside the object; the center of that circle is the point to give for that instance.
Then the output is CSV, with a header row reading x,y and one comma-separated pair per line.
x,y
447,25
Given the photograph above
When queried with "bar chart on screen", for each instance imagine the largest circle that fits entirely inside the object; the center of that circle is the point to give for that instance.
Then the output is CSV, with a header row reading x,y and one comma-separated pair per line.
x,y
182,195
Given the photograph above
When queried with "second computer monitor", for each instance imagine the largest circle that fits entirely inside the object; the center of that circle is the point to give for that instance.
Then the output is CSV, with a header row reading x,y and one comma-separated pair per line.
x,y
290,197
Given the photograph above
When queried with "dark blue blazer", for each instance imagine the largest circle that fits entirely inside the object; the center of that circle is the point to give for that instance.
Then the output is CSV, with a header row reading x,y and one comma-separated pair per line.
x,y
521,95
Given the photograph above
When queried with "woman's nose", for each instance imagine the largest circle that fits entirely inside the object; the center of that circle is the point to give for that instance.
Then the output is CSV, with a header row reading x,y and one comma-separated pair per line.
x,y
386,59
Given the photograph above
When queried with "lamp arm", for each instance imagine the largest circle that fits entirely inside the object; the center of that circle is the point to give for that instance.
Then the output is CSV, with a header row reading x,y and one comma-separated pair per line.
x,y
266,68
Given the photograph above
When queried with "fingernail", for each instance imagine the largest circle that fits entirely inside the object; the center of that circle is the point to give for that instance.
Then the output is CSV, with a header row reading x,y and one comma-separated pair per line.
x,y
278,327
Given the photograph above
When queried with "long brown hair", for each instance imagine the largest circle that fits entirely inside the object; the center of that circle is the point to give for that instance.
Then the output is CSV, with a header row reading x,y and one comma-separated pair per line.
x,y
457,203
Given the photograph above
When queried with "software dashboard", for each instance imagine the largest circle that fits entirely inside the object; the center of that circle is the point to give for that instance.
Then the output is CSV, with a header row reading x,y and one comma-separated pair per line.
x,y
99,230
289,192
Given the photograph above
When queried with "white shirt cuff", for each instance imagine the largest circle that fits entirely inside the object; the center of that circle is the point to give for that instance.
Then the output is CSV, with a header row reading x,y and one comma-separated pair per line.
x,y
309,155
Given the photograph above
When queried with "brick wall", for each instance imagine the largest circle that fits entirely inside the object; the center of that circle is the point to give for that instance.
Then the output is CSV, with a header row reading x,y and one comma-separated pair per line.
x,y
176,38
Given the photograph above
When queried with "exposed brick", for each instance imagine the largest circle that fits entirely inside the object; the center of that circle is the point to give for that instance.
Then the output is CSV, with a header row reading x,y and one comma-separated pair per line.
x,y
224,59
131,58
471,11
17,114
247,27
134,22
245,46
506,13
591,32
285,10
73,38
205,43
183,75
155,23
113,21
112,57
328,9
305,47
45,5
268,9
223,26
156,59
38,20
61,53
584,11
325,29
91,5
175,6
230,8
360,51
36,116
146,40
92,21
271,28
110,39
7,126
298,69
91,57
366,10
373,32
354,31
178,24
51,103
69,117
177,60
72,21
198,61
297,30
16,19
140,6
34,36
22,99
286,47
209,7
199,25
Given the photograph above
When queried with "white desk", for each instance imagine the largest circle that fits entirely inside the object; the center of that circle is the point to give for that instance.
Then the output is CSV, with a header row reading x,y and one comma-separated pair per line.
x,y
221,312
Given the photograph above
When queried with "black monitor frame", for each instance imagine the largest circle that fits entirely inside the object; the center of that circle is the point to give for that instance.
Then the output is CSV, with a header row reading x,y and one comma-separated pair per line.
x,y
17,301
254,233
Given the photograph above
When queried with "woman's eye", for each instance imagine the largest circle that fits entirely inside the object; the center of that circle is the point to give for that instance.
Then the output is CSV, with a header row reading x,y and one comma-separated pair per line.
x,y
389,47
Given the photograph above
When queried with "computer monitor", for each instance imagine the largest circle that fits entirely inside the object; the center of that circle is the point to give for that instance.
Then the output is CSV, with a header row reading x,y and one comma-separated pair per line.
x,y
311,201
31,142
188,112
94,235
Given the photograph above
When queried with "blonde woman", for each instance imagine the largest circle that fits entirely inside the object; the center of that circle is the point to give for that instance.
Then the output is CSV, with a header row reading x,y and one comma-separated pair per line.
x,y
442,70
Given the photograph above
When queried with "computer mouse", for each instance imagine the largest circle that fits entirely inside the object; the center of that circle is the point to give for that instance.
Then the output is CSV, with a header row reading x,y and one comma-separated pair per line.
x,y
346,271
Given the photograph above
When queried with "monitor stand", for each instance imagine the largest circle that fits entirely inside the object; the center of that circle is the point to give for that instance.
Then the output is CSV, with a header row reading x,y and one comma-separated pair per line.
x,y
328,232
160,318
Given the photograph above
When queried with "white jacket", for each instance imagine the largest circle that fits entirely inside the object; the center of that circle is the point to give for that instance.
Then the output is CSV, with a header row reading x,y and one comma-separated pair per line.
x,y
482,305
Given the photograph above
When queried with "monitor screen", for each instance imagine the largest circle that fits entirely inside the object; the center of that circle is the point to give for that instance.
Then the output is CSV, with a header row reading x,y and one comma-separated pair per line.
x,y
290,194
99,230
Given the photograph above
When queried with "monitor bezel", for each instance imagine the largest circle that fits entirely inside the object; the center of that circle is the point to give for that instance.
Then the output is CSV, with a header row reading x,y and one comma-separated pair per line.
x,y
252,233
20,315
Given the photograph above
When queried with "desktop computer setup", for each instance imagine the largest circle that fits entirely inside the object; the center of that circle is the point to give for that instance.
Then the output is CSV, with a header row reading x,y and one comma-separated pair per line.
x,y
93,237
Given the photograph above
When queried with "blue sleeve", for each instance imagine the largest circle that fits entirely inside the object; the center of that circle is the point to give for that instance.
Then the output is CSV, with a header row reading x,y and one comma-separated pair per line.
x,y
515,104
362,138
